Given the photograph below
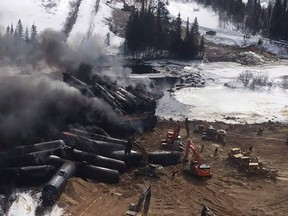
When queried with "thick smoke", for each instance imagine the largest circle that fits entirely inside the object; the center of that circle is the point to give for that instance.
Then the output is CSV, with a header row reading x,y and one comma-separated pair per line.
x,y
72,17
33,107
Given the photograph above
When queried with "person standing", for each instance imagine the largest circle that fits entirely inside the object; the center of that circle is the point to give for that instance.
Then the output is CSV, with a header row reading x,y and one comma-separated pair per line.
x,y
216,152
128,146
187,126
174,171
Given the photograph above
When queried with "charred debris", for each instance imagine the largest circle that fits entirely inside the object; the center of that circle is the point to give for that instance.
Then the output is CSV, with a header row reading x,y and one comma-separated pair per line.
x,y
134,106
95,151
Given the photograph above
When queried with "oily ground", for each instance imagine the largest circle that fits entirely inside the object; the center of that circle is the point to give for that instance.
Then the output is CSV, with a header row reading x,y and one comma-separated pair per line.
x,y
229,192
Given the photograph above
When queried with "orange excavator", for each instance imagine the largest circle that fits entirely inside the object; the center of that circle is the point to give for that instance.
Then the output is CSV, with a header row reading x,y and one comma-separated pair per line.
x,y
195,166
173,139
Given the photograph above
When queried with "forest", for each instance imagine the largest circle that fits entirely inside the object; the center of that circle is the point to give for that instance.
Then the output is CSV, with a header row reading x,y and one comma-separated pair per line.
x,y
16,41
151,33
252,18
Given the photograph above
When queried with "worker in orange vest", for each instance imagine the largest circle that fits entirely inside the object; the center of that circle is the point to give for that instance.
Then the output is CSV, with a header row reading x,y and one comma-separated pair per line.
x,y
174,171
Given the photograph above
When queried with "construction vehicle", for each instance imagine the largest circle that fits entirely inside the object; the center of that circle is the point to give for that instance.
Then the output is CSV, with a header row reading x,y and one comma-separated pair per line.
x,y
195,166
236,153
146,169
250,165
136,143
216,135
173,139
199,129
140,208
206,211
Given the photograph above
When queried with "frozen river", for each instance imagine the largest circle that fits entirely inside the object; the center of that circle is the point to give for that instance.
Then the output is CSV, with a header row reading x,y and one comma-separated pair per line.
x,y
215,102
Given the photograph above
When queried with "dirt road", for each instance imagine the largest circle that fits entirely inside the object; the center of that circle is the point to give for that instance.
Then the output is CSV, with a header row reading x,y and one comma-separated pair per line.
x,y
229,192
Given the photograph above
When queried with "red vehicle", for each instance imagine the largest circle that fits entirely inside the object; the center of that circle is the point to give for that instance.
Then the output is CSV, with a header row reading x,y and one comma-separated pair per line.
x,y
195,166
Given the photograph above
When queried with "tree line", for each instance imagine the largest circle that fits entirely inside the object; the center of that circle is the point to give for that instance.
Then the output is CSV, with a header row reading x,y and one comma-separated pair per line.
x,y
16,41
252,18
151,33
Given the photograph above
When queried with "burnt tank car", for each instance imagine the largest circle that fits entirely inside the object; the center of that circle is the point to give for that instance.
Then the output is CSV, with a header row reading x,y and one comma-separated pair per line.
x,y
52,190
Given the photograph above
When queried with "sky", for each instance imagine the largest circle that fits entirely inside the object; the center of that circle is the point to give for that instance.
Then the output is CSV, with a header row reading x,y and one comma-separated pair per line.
x,y
212,103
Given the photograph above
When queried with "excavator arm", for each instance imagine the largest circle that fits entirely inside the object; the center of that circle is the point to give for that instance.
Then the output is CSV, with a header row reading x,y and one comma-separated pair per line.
x,y
190,146
196,167
141,208
141,148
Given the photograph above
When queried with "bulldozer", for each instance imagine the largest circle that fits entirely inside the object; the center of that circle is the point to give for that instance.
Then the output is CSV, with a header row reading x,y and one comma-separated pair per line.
x,y
141,208
250,165
194,166
216,135
238,152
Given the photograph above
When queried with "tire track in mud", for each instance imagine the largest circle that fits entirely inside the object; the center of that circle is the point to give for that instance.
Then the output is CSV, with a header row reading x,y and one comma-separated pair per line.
x,y
91,19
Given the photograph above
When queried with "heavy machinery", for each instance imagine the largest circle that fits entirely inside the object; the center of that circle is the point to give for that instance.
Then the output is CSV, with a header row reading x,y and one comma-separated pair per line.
x,y
173,139
212,134
206,211
195,166
250,165
199,129
236,153
147,168
140,208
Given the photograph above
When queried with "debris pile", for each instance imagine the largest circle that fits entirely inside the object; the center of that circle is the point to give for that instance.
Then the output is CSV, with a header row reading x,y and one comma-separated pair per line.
x,y
134,105
98,157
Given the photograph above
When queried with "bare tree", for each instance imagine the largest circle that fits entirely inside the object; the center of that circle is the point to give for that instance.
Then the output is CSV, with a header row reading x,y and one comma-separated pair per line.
x,y
245,77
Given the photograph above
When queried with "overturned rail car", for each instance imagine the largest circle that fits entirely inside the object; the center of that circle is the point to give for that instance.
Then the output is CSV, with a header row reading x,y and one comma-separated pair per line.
x,y
163,158
93,159
97,173
84,170
52,190
94,146
27,173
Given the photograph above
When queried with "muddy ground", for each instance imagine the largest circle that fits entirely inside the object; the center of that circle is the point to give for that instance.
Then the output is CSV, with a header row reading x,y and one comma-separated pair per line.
x,y
229,192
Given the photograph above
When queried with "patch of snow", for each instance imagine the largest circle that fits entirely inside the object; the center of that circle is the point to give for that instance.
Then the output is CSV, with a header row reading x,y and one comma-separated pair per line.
x,y
26,204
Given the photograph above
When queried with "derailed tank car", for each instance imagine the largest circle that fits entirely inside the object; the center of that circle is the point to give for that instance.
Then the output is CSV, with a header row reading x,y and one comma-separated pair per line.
x,y
52,190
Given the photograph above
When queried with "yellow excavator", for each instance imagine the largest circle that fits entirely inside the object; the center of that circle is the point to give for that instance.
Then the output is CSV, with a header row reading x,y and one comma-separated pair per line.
x,y
141,208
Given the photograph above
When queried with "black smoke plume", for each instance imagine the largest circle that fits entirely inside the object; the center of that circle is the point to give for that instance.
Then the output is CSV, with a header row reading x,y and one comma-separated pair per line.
x,y
38,107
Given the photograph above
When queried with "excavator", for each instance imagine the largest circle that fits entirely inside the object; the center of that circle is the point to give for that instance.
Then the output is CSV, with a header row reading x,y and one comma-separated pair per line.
x,y
173,139
195,166
147,168
140,208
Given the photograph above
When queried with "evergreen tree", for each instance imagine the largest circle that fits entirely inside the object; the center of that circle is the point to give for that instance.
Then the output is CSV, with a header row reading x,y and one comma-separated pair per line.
x,y
34,33
276,20
194,38
8,31
175,37
161,26
202,48
19,30
11,30
26,36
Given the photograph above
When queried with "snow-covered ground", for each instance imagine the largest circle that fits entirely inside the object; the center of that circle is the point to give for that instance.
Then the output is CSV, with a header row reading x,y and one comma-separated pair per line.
x,y
216,102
